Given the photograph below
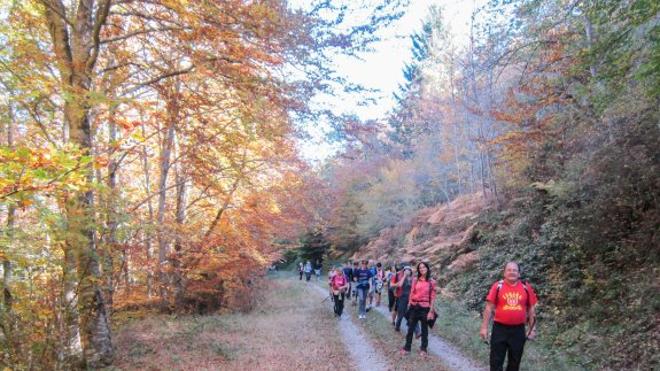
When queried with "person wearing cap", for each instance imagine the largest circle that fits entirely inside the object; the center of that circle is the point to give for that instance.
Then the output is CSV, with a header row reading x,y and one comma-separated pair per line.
x,y
403,286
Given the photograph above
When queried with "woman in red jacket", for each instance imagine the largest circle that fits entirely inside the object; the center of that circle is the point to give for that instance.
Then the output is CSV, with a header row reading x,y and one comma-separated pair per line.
x,y
420,305
338,285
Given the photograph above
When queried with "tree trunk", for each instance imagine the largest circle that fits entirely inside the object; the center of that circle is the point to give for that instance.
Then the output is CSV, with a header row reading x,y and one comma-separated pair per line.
x,y
150,208
7,315
166,151
72,350
76,46
111,218
11,218
177,276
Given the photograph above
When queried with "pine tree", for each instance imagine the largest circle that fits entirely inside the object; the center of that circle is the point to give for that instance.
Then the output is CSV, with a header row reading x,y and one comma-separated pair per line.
x,y
402,119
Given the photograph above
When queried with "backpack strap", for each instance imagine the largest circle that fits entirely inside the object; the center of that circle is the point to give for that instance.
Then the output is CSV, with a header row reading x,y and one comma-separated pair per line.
x,y
499,286
497,293
524,285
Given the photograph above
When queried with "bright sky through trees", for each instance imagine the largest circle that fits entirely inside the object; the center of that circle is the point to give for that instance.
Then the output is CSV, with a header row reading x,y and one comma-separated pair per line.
x,y
382,68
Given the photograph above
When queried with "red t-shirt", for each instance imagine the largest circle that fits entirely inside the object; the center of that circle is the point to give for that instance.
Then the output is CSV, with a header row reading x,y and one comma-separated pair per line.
x,y
512,302
422,293
338,281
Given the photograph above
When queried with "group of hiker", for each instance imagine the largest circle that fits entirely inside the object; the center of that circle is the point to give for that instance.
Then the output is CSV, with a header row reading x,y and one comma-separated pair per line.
x,y
308,268
411,295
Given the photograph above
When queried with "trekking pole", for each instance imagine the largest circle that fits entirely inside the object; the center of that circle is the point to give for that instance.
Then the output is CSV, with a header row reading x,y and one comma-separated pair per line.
x,y
326,298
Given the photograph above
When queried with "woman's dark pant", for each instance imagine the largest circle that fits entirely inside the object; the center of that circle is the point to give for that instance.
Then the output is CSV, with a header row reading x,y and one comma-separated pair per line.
x,y
506,340
390,299
308,275
401,309
339,303
301,273
417,314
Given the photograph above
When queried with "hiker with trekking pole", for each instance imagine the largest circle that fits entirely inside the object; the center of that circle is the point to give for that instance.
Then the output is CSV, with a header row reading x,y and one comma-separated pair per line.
x,y
421,307
514,302
338,287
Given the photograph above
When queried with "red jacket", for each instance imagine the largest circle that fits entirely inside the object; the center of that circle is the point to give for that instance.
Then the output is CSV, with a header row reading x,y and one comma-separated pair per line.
x,y
338,282
422,293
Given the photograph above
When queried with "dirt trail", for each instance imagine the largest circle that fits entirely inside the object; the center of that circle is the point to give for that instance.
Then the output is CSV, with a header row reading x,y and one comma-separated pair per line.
x,y
451,357
362,352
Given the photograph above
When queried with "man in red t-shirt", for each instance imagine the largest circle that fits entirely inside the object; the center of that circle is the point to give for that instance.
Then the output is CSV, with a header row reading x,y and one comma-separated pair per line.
x,y
514,302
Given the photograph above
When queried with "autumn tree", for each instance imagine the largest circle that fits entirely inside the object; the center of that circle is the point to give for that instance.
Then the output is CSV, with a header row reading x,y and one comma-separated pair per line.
x,y
149,155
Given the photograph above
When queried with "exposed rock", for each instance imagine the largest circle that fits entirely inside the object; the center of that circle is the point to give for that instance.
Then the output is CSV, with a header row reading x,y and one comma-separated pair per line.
x,y
463,262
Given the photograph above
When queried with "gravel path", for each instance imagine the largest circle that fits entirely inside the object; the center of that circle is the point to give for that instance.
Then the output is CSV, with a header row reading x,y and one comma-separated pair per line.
x,y
364,355
450,357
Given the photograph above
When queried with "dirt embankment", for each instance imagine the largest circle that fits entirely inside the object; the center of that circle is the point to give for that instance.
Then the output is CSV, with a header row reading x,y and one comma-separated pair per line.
x,y
440,235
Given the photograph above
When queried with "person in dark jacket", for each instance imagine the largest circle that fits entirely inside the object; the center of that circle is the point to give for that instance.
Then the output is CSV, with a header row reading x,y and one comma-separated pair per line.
x,y
363,277
348,273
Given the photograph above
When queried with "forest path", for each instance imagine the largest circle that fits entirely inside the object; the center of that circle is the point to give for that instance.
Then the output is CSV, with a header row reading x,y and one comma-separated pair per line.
x,y
363,353
449,355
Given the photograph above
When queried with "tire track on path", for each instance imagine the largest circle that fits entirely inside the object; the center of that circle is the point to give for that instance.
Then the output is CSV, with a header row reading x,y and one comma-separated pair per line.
x,y
364,355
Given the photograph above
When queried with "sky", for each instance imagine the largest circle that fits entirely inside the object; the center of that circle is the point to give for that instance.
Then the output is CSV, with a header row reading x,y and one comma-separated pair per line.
x,y
382,68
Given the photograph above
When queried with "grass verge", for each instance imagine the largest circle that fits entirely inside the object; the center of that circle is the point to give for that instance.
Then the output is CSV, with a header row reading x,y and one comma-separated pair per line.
x,y
461,327
286,331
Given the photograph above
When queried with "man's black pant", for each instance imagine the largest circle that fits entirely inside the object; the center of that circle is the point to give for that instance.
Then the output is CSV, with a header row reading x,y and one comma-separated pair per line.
x,y
416,314
505,340
348,293
301,273
339,303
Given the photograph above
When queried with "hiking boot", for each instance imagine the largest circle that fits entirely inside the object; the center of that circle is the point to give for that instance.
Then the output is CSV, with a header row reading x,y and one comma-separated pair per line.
x,y
404,352
423,353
